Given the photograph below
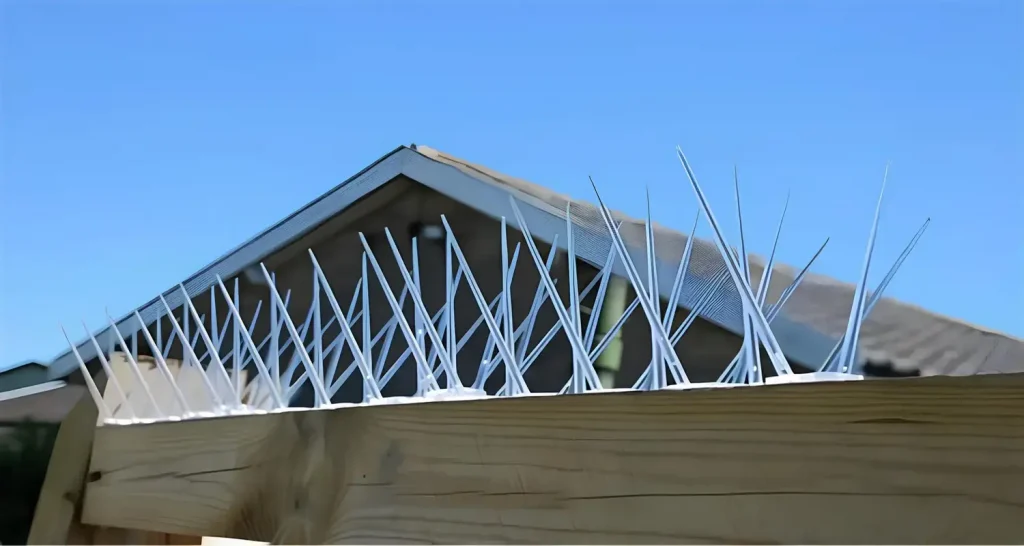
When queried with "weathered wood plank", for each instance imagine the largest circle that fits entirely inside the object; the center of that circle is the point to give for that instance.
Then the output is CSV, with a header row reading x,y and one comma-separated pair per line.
x,y
899,461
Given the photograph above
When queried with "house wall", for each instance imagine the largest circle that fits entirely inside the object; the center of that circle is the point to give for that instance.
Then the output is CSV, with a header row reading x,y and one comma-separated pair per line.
x,y
402,204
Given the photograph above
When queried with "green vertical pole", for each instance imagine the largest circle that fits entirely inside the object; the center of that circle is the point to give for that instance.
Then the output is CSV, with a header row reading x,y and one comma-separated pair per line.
x,y
610,361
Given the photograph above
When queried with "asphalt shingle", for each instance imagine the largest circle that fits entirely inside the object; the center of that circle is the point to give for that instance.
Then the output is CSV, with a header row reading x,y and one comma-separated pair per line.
x,y
906,337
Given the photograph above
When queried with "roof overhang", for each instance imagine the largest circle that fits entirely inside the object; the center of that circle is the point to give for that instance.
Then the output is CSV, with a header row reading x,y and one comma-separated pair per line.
x,y
801,343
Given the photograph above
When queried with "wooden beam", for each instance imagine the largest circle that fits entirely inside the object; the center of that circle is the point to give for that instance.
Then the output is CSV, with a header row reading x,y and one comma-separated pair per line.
x,y
929,460
55,519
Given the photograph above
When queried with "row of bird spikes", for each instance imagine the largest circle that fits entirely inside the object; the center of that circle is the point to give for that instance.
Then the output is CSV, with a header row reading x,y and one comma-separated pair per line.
x,y
437,376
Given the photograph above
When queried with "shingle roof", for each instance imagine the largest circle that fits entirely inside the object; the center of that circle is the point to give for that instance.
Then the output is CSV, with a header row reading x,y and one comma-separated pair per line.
x,y
912,339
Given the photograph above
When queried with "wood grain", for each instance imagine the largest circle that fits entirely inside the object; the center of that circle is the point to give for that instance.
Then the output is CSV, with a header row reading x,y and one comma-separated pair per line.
x,y
925,460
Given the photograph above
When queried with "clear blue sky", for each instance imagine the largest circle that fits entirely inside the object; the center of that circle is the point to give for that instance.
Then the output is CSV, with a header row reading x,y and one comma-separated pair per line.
x,y
141,140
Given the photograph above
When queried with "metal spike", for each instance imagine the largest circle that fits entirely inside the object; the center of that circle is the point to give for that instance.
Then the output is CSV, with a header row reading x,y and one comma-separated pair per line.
x,y
317,380
274,356
504,345
423,370
421,386
657,360
215,333
214,354
555,328
318,344
506,304
361,360
389,334
774,310
425,323
585,367
135,345
367,347
602,291
877,294
746,294
190,356
705,301
136,371
236,352
677,284
658,380
848,353
538,301
161,365
450,288
751,350
111,377
578,378
94,391
337,346
273,385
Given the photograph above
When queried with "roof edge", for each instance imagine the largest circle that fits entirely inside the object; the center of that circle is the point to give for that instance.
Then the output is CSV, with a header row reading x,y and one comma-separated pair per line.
x,y
65,363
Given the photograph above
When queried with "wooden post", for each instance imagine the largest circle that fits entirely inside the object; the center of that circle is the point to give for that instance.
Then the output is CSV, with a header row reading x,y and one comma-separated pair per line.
x,y
60,497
